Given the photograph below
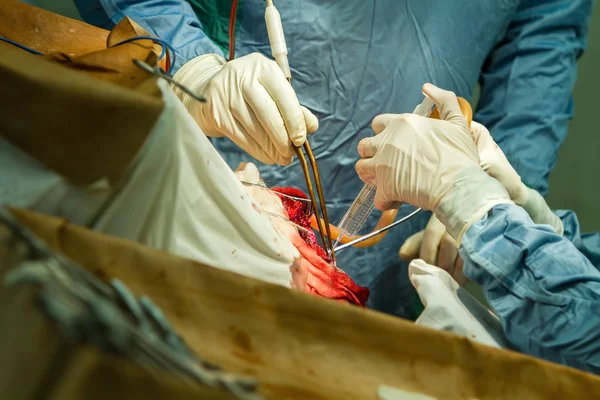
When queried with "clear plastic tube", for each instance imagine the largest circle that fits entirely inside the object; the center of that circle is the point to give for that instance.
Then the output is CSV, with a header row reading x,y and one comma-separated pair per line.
x,y
362,207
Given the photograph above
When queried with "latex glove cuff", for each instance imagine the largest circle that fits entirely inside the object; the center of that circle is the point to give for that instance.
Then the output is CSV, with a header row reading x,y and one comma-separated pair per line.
x,y
473,194
196,75
540,213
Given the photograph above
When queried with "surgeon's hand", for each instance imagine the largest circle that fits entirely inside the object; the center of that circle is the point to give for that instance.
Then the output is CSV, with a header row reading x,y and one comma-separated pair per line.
x,y
495,163
435,246
415,159
250,101
432,164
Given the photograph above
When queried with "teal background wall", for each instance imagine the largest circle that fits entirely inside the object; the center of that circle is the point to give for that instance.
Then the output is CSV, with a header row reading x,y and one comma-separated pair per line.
x,y
62,7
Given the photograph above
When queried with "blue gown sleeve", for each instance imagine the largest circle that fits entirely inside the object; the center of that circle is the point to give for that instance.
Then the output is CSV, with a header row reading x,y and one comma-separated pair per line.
x,y
587,243
527,81
545,291
171,20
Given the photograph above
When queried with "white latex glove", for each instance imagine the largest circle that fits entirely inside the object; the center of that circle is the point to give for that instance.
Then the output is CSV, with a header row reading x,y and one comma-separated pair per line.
x,y
494,162
250,101
443,308
436,247
432,164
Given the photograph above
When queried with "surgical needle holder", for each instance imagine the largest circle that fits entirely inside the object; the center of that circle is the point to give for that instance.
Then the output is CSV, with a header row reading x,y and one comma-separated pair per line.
x,y
279,50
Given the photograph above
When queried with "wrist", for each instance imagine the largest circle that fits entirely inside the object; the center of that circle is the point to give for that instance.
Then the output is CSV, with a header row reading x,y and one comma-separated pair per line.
x,y
473,194
196,75
520,194
540,212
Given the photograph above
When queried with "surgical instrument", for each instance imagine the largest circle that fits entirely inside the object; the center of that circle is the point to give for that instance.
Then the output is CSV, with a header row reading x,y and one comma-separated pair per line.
x,y
377,232
363,205
281,217
307,202
159,73
279,50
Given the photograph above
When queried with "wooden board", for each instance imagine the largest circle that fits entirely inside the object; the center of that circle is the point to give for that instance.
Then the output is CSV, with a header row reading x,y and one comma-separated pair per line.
x,y
88,119
48,32
80,127
304,347
92,375
39,363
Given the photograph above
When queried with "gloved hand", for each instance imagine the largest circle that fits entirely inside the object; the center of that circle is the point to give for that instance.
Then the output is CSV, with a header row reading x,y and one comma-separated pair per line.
x,y
494,162
444,309
432,164
436,247
250,101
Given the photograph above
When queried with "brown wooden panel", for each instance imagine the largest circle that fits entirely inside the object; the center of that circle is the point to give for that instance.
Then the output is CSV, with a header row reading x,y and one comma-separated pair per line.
x,y
305,347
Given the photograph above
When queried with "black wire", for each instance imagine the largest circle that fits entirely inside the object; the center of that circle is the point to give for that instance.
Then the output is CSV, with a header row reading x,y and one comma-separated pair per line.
x,y
164,44
32,51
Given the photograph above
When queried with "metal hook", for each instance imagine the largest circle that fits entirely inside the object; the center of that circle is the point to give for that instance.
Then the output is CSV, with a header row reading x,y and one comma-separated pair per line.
x,y
159,73
377,232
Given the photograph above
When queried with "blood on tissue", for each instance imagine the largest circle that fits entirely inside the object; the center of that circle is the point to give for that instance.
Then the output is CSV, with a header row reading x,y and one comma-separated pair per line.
x,y
296,213
321,279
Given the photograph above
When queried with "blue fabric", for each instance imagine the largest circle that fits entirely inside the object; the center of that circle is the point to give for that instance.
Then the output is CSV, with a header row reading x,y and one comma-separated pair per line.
x,y
526,83
171,20
354,59
544,289
588,243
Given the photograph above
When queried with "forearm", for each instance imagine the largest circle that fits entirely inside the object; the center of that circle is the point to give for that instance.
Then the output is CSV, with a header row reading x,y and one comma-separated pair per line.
x,y
527,81
171,20
540,213
544,290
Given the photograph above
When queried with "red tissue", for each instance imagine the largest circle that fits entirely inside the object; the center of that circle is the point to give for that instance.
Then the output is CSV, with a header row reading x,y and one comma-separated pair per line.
x,y
323,279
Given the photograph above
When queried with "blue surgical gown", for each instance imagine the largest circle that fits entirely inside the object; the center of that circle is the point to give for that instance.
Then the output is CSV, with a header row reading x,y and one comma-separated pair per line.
x,y
354,59
544,287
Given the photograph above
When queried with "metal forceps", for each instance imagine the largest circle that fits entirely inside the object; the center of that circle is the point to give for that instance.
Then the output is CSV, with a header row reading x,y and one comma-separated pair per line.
x,y
324,223
279,50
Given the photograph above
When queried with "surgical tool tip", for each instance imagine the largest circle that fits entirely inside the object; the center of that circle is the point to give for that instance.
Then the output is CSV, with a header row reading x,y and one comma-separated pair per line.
x,y
159,73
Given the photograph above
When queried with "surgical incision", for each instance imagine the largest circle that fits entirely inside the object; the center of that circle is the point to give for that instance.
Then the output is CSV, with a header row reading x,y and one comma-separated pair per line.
x,y
312,272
